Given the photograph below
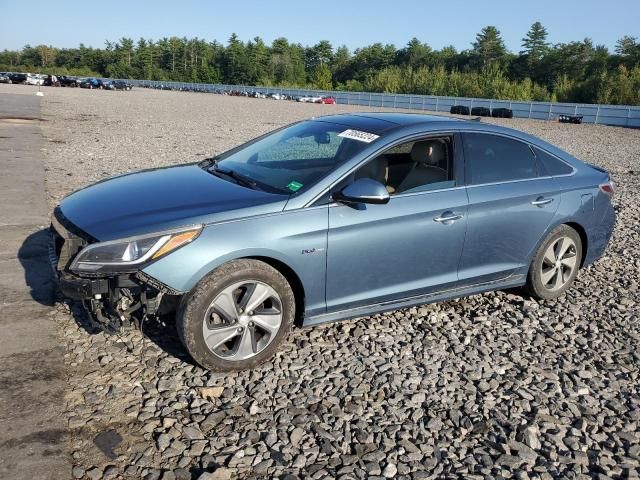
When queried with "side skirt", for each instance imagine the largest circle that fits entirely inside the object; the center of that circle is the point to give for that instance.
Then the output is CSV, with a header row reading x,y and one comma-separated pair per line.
x,y
367,310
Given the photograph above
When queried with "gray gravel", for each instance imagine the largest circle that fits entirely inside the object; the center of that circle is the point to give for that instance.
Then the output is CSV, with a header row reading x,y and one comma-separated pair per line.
x,y
491,386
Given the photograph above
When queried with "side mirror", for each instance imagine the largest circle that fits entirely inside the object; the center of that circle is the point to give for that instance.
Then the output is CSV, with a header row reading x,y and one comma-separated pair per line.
x,y
363,190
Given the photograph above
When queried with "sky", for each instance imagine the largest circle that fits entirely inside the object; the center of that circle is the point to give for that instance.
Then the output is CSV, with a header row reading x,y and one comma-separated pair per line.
x,y
354,23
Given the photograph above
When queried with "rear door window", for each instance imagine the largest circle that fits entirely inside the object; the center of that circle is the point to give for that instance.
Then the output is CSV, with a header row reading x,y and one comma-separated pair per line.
x,y
493,158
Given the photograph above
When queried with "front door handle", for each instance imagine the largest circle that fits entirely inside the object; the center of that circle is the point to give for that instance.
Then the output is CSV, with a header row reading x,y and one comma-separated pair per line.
x,y
540,201
448,217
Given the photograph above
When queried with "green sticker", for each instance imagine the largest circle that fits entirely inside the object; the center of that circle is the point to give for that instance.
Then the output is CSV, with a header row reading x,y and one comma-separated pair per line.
x,y
294,186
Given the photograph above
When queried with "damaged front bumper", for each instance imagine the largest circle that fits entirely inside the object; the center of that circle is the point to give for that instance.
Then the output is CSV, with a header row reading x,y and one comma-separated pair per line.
x,y
114,302
78,288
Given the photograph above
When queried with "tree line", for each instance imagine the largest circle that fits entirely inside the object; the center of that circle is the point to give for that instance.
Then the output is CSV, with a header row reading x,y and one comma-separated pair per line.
x,y
577,71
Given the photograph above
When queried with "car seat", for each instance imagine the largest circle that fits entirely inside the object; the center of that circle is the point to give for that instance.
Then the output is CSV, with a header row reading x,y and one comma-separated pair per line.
x,y
428,158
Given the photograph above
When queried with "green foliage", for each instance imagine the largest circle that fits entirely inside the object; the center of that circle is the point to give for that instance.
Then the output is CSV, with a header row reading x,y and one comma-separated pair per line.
x,y
350,86
322,77
576,71
489,47
535,44
490,82
627,45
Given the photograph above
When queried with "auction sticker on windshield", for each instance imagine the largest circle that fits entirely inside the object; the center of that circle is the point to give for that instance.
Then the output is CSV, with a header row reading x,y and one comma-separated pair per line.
x,y
359,135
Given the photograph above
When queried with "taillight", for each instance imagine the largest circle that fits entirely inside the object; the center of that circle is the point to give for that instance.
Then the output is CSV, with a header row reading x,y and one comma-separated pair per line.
x,y
609,187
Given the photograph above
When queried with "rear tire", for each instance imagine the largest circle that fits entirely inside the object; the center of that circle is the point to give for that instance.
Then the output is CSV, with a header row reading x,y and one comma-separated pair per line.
x,y
556,264
237,316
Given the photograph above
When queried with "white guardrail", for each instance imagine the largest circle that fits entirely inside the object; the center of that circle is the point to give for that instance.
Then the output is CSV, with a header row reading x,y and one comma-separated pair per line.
x,y
617,115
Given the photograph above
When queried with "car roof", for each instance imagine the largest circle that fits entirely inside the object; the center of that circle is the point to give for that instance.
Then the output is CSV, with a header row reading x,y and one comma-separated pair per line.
x,y
380,122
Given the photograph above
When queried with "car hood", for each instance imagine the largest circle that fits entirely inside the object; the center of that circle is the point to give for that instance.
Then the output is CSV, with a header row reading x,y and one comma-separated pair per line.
x,y
154,200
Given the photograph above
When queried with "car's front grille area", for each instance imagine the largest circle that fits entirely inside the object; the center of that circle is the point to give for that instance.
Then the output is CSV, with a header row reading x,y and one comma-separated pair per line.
x,y
65,244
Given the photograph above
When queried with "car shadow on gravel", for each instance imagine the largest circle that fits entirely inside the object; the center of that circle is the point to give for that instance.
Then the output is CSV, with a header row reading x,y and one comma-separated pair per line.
x,y
33,256
161,332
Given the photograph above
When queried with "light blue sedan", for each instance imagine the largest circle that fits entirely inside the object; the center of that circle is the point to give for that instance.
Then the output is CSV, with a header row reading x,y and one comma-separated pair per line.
x,y
331,218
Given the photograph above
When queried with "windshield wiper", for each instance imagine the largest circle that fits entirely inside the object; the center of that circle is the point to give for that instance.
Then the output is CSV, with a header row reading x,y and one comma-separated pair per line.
x,y
238,177
207,162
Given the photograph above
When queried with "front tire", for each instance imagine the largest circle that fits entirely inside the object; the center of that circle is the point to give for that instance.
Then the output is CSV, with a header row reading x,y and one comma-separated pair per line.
x,y
556,264
237,316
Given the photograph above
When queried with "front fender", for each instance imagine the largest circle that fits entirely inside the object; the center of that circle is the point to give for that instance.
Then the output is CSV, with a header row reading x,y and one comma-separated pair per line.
x,y
295,238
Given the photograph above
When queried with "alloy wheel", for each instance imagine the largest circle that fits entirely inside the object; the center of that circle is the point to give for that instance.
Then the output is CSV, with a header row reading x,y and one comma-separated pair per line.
x,y
559,263
242,320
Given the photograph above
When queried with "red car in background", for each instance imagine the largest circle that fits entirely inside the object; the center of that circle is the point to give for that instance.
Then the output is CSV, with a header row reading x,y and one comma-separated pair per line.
x,y
328,100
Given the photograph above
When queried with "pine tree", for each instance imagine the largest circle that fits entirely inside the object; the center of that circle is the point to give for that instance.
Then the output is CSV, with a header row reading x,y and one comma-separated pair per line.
x,y
340,64
626,45
489,46
415,54
535,43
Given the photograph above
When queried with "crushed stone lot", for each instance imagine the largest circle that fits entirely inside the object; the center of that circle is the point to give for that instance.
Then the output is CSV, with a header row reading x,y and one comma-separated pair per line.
x,y
492,386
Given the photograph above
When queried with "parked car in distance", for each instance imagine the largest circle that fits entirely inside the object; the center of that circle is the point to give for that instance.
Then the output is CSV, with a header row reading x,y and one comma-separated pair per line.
x,y
304,98
481,111
328,100
502,113
4,78
336,217
51,81
122,85
34,80
67,81
91,83
459,110
18,77
116,85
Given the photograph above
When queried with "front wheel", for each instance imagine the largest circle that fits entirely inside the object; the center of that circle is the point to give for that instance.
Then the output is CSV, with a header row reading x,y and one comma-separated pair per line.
x,y
236,317
556,264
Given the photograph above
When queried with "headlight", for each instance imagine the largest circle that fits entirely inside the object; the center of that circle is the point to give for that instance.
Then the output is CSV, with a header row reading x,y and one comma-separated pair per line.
x,y
128,254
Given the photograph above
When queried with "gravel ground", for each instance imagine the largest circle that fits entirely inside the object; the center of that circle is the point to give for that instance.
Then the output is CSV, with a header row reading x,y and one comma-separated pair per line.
x,y
491,386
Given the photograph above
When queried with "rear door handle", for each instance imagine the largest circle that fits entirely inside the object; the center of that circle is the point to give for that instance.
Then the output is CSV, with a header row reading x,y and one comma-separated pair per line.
x,y
448,217
540,201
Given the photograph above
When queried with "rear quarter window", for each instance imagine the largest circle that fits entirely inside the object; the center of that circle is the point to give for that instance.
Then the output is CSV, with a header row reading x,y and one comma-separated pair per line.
x,y
552,165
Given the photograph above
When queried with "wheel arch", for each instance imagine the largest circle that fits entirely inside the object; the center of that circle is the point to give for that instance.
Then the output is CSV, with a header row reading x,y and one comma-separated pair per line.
x,y
583,238
582,233
291,276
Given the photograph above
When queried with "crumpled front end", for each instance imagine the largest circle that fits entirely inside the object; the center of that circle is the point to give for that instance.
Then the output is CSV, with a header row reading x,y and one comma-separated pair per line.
x,y
115,302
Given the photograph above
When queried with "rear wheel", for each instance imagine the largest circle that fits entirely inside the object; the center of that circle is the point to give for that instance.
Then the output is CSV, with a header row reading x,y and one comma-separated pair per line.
x,y
556,264
237,317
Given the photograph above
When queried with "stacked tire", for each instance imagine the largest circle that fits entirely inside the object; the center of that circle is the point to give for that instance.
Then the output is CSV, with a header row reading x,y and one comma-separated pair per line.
x,y
502,113
459,110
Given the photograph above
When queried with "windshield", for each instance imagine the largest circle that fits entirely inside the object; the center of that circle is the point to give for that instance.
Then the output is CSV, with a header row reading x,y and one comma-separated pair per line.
x,y
295,158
